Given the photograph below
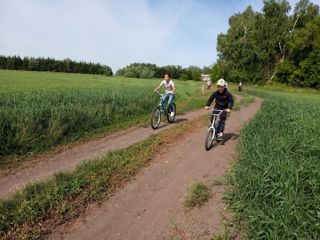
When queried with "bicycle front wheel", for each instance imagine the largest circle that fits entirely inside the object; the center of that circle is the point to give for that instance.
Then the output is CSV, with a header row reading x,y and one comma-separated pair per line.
x,y
209,139
155,118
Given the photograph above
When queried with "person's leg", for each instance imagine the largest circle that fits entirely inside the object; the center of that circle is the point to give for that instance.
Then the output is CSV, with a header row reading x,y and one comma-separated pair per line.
x,y
220,129
164,99
221,125
171,97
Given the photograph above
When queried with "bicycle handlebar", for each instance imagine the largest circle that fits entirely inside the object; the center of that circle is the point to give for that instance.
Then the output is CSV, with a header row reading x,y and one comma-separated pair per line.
x,y
217,110
160,94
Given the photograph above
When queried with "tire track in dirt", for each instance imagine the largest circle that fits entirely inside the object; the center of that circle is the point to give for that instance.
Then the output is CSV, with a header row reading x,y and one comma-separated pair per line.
x,y
149,207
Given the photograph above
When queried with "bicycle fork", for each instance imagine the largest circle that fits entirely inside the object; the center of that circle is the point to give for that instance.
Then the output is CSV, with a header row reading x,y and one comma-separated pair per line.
x,y
213,126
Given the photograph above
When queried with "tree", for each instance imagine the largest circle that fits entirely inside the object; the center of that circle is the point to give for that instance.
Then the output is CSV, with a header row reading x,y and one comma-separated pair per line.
x,y
305,12
3,62
206,69
50,64
195,73
147,73
257,43
302,67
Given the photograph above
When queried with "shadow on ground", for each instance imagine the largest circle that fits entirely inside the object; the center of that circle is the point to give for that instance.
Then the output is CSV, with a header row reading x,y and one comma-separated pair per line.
x,y
229,136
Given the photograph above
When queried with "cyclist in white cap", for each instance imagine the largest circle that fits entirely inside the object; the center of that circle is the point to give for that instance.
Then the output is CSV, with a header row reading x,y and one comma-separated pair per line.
x,y
223,101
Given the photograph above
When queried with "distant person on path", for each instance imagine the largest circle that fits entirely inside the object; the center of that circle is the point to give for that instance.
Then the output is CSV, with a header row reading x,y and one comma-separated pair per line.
x,y
223,101
170,90
240,86
209,84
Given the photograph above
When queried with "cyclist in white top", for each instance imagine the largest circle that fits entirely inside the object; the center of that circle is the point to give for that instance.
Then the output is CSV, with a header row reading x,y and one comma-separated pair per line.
x,y
168,84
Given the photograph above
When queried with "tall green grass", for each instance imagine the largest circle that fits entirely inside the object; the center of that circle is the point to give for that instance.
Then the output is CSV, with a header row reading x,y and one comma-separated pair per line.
x,y
275,185
41,110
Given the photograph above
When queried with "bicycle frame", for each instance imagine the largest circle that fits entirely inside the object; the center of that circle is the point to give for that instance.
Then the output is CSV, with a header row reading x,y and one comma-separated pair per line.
x,y
216,114
162,108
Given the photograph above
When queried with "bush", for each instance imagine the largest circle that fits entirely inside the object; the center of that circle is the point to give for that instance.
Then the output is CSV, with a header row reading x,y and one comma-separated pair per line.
x,y
296,79
132,73
147,73
184,76
283,71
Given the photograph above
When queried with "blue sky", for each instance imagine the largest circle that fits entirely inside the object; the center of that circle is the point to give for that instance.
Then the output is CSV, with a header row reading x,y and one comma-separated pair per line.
x,y
118,32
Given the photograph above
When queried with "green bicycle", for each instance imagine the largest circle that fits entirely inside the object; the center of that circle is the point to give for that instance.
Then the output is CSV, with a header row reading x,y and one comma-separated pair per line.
x,y
160,110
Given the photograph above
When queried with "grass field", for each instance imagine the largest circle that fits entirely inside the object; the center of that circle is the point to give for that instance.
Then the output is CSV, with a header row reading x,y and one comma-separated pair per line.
x,y
40,110
274,187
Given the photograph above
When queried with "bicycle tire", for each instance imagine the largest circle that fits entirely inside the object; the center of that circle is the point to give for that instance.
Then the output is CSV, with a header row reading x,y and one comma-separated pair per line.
x,y
209,139
155,118
173,109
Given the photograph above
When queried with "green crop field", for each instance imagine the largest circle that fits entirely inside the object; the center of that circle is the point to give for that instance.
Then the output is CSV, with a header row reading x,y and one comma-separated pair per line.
x,y
275,187
39,110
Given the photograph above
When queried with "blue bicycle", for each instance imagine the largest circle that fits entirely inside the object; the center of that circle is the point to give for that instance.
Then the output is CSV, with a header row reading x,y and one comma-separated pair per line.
x,y
161,110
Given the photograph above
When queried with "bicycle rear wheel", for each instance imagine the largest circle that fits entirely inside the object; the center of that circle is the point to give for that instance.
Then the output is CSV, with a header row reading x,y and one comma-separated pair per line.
x,y
173,110
155,118
209,139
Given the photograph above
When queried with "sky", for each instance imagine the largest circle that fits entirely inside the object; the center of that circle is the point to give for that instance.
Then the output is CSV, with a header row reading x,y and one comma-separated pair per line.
x,y
118,32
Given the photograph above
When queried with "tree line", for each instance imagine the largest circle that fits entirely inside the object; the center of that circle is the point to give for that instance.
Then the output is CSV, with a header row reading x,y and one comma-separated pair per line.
x,y
134,70
272,45
147,70
53,65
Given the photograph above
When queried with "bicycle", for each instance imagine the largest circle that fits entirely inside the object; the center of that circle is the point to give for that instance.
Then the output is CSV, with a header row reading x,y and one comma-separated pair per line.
x,y
160,110
212,134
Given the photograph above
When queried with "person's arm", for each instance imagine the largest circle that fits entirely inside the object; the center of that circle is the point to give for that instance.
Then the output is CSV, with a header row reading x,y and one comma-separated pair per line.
x,y
211,98
157,88
231,101
173,89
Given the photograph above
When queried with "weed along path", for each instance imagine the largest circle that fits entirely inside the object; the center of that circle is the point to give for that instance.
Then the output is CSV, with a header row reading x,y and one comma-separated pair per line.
x,y
69,159
151,206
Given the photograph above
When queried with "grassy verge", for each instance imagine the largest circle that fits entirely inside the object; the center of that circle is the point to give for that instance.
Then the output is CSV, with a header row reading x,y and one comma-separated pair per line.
x,y
13,162
274,187
38,209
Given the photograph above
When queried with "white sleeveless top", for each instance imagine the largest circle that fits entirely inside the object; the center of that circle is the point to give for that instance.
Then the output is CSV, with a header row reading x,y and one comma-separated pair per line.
x,y
168,86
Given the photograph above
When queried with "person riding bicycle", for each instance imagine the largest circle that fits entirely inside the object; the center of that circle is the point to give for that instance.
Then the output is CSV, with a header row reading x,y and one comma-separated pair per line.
x,y
223,101
170,92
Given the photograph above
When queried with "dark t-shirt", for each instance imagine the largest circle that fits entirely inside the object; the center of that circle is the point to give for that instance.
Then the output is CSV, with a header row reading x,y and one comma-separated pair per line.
x,y
223,100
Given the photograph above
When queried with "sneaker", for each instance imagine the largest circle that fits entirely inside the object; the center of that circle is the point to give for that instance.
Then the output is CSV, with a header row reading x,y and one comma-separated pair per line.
x,y
220,137
172,114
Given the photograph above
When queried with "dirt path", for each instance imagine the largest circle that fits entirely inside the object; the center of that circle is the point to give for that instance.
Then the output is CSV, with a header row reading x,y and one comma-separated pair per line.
x,y
151,206
69,159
